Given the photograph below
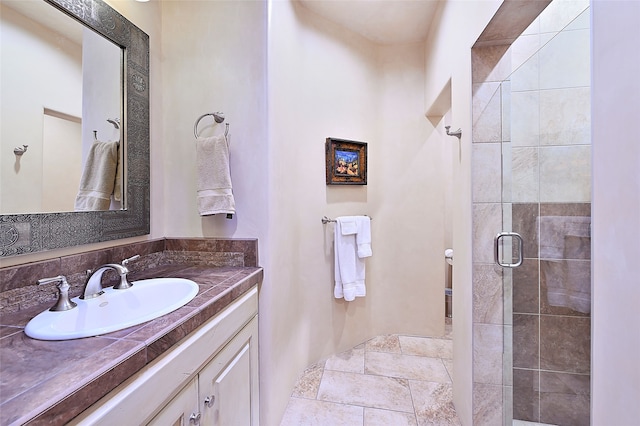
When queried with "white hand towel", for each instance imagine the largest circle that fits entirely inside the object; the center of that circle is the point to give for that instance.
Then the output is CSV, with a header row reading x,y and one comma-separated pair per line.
x,y
215,193
349,258
363,238
98,177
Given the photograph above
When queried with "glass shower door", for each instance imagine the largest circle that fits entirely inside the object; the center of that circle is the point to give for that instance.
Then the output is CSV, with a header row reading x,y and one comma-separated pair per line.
x,y
546,163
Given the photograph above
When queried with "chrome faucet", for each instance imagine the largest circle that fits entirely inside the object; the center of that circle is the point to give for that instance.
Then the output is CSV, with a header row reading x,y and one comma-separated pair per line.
x,y
93,286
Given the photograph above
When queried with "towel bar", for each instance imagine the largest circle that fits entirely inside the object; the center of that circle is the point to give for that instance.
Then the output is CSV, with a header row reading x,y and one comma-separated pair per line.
x,y
326,220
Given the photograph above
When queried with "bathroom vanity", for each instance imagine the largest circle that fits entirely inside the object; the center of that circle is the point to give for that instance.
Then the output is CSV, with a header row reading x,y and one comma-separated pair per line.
x,y
209,378
199,362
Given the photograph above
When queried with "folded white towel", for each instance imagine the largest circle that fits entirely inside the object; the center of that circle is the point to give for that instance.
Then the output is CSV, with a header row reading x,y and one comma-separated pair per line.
x,y
98,177
350,249
349,225
215,194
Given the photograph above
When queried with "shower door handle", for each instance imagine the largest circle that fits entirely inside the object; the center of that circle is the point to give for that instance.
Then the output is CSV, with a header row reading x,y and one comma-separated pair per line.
x,y
496,252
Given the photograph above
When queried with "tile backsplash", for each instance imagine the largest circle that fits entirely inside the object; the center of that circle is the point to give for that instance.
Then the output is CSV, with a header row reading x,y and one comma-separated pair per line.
x,y
18,288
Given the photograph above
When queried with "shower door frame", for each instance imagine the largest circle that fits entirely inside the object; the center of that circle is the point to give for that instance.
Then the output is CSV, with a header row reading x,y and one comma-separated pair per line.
x,y
493,325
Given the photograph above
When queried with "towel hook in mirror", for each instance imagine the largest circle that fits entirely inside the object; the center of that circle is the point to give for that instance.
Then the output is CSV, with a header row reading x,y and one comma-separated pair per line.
x,y
217,116
20,150
113,121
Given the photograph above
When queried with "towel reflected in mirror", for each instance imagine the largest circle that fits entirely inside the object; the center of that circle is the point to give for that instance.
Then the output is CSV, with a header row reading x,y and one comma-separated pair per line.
x,y
98,180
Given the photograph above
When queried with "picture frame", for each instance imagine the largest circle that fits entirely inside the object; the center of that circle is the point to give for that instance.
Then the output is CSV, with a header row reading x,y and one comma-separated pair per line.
x,y
346,162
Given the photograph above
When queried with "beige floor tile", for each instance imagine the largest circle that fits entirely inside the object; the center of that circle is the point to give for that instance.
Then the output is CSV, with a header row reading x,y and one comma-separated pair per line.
x,y
389,380
307,385
309,412
384,344
367,391
350,361
406,367
426,346
377,417
433,403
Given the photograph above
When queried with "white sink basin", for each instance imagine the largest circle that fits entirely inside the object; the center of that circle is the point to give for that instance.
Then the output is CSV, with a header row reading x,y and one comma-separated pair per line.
x,y
114,310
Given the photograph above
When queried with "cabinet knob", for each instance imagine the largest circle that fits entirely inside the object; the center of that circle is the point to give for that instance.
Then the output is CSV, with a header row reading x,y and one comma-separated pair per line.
x,y
208,401
194,418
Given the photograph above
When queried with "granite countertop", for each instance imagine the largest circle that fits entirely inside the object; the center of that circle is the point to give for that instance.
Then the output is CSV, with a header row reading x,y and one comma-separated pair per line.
x,y
51,382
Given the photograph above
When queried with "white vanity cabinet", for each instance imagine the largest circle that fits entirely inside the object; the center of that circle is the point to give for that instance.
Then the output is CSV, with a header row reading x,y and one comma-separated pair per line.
x,y
209,378
221,392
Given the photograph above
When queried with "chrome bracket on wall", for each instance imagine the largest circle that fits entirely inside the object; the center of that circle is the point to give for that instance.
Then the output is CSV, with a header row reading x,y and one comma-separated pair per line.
x,y
457,133
496,252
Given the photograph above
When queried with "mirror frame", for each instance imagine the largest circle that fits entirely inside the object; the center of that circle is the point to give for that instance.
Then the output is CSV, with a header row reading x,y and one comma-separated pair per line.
x,y
31,233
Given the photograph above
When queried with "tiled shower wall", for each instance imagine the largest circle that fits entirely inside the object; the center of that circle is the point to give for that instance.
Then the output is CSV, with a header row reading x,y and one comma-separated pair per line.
x,y
531,110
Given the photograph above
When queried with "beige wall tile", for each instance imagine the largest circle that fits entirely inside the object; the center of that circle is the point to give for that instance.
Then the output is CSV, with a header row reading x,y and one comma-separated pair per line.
x,y
525,113
525,63
487,295
564,61
487,349
565,174
491,63
525,187
565,116
487,220
487,405
487,112
486,172
556,16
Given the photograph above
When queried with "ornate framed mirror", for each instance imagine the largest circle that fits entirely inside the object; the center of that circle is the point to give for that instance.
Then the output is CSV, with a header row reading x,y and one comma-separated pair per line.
x,y
32,232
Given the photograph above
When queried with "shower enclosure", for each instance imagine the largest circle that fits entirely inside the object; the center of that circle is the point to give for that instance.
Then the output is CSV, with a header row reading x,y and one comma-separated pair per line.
x,y
532,217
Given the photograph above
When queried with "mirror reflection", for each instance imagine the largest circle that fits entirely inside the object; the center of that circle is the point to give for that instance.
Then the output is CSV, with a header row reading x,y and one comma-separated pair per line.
x,y
61,103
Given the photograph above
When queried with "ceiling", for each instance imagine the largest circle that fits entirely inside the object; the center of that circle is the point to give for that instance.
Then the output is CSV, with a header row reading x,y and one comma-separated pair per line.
x,y
381,21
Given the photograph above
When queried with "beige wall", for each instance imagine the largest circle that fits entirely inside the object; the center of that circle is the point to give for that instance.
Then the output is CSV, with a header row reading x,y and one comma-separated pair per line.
x,y
615,386
214,59
324,81
448,57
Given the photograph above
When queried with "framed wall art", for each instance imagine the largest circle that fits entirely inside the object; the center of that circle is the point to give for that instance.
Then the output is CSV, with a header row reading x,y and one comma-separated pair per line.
x,y
346,162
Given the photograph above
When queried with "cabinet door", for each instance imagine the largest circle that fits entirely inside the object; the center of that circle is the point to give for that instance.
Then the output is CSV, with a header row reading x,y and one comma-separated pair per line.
x,y
228,383
181,409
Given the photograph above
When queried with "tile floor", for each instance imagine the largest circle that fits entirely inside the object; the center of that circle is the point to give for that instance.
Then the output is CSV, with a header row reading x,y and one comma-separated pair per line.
x,y
389,380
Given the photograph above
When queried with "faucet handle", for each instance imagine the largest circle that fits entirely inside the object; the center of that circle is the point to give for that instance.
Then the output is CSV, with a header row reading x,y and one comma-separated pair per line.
x,y
124,282
63,303
131,259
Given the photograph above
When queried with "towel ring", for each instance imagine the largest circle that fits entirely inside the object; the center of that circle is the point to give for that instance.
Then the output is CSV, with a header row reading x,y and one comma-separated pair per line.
x,y
217,116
